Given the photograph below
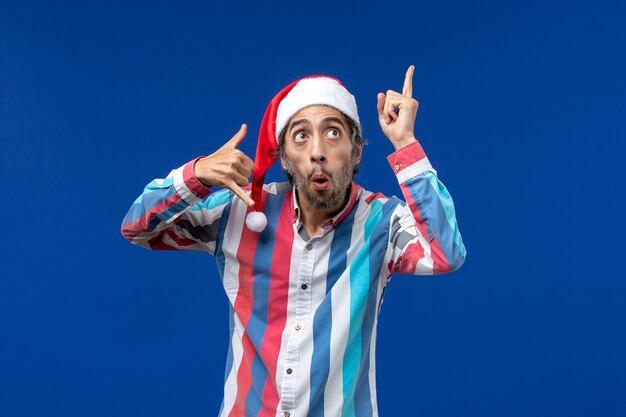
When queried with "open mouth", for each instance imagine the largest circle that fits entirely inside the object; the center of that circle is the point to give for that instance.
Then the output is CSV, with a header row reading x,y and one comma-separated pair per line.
x,y
320,181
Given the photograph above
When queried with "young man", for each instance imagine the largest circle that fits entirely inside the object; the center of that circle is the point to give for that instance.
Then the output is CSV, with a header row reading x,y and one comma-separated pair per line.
x,y
305,264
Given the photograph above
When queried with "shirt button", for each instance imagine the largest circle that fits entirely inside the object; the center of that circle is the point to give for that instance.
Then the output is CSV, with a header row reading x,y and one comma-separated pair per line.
x,y
289,371
304,286
309,247
397,167
298,327
286,414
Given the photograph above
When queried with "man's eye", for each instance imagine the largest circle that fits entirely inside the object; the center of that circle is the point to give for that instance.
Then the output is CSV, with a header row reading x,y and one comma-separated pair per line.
x,y
333,133
299,137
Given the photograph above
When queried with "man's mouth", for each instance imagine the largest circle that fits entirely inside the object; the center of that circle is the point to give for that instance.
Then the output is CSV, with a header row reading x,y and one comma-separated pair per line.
x,y
320,181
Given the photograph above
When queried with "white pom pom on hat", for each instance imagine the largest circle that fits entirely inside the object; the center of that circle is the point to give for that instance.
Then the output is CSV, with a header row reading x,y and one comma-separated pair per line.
x,y
256,221
308,91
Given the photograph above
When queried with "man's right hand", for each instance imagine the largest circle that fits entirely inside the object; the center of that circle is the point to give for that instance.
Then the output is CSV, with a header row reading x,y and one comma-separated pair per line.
x,y
228,167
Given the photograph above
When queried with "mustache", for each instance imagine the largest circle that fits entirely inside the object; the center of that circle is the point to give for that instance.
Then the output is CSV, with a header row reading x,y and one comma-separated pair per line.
x,y
321,170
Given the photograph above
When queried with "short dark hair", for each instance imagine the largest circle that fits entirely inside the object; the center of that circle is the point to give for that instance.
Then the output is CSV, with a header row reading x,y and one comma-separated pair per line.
x,y
355,135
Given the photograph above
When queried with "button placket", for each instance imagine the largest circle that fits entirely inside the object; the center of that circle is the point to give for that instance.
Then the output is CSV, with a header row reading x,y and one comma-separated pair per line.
x,y
302,312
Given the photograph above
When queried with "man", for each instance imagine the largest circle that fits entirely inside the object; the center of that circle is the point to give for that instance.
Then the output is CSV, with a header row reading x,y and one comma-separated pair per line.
x,y
306,272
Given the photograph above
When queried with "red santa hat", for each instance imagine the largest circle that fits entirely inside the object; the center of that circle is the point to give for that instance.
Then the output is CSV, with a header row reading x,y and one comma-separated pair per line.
x,y
308,91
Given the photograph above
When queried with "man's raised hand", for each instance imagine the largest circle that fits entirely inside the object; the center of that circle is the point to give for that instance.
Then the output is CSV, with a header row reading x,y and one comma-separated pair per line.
x,y
396,113
228,167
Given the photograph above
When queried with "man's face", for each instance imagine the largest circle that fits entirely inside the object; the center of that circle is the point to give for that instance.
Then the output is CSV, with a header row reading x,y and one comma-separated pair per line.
x,y
318,154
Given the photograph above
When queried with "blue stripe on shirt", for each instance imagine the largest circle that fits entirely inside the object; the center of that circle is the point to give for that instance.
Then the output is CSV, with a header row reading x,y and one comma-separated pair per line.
x,y
448,206
219,239
359,290
431,208
229,356
378,246
220,261
322,322
167,214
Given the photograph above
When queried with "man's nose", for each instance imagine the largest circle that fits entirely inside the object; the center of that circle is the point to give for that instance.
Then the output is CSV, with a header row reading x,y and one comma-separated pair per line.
x,y
318,149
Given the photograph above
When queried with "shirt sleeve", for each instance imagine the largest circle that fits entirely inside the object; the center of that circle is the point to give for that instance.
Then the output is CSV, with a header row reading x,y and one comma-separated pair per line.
x,y
424,235
176,213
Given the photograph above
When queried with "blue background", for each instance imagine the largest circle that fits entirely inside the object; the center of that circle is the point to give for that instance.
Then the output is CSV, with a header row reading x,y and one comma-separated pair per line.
x,y
521,112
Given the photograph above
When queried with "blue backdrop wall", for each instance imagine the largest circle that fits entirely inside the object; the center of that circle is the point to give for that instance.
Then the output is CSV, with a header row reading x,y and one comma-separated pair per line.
x,y
521,112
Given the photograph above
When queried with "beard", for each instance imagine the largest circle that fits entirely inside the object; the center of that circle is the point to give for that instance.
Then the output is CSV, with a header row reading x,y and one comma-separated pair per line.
x,y
323,199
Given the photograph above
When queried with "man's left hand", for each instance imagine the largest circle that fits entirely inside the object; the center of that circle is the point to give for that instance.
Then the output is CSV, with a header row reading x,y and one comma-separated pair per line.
x,y
396,113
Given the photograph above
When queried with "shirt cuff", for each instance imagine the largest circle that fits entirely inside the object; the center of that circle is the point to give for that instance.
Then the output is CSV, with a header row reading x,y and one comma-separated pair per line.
x,y
409,162
187,185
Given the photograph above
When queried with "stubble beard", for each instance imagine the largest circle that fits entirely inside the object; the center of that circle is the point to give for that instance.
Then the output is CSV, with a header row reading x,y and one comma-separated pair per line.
x,y
323,199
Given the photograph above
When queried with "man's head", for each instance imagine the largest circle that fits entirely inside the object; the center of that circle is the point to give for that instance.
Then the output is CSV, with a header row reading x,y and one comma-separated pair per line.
x,y
355,137
319,150
320,169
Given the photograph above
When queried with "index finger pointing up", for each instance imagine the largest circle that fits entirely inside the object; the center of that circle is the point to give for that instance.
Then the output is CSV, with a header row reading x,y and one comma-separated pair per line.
x,y
407,89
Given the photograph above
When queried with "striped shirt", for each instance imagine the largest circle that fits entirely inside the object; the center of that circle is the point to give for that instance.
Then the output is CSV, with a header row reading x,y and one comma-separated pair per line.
x,y
304,310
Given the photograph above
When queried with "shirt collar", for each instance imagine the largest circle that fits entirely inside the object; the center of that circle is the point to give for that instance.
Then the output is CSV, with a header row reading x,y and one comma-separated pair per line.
x,y
336,219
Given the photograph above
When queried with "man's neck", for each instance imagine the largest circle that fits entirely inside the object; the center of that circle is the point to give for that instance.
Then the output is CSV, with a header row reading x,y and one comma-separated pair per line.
x,y
313,219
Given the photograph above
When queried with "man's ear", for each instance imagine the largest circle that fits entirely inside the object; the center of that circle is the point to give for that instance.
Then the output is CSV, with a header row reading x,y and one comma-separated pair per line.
x,y
282,163
359,152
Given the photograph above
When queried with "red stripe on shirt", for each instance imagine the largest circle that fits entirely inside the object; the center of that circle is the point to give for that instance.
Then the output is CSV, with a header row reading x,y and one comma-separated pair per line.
x,y
243,310
180,241
131,230
277,307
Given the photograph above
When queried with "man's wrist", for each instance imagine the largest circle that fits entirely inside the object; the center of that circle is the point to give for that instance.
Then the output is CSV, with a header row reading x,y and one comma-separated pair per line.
x,y
198,172
198,187
399,144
